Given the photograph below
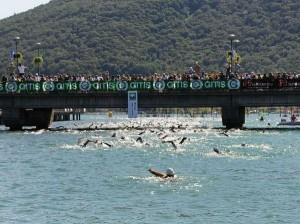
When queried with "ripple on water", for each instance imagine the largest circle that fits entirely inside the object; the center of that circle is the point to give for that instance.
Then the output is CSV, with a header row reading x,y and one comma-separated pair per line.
x,y
39,132
263,147
177,184
233,155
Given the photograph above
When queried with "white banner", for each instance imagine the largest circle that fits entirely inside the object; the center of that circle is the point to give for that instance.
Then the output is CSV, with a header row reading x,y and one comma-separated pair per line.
x,y
132,104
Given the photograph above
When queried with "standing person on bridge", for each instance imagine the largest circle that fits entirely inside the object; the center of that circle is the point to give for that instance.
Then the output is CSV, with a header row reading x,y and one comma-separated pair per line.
x,y
228,71
293,118
21,69
197,68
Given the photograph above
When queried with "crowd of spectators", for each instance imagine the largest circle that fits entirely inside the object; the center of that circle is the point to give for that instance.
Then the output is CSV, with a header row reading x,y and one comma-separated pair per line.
x,y
193,73
265,77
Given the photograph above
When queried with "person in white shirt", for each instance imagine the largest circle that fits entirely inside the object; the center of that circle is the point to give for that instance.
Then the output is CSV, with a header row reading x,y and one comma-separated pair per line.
x,y
21,69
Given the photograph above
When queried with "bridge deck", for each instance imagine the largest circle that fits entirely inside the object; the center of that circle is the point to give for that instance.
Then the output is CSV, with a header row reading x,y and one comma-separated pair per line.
x,y
153,99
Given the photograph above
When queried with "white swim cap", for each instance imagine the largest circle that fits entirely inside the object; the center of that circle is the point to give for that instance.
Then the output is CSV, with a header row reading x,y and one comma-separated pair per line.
x,y
170,172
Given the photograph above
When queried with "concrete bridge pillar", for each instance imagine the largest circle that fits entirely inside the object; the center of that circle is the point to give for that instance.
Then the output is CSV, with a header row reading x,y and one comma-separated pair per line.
x,y
14,118
17,118
41,118
233,116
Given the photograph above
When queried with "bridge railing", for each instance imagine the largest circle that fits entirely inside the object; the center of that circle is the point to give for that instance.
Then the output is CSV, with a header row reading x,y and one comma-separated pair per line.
x,y
116,86
48,87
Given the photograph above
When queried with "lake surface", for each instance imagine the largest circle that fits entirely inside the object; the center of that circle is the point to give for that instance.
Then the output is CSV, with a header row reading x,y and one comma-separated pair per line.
x,y
48,177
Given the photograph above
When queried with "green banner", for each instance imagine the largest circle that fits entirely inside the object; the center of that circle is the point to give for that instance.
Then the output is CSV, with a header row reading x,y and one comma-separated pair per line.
x,y
114,86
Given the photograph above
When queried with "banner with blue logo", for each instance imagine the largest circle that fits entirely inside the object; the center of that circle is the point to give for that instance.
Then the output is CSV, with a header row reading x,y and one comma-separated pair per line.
x,y
132,104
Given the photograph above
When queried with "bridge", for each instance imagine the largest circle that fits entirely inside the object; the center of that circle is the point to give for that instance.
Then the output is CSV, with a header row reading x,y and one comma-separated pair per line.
x,y
32,104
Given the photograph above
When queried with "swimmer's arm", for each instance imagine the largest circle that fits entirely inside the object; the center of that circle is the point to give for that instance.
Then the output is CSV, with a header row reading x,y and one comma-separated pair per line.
x,y
156,173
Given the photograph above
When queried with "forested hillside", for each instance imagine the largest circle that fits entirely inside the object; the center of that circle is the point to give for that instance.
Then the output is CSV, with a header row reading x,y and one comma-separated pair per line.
x,y
137,36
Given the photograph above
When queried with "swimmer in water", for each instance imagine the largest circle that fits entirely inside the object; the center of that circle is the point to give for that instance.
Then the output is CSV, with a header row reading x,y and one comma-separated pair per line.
x,y
217,151
170,173
223,153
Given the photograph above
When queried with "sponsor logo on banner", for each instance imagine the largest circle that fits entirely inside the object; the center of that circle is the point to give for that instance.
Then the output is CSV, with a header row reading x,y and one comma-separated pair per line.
x,y
132,96
118,86
122,85
196,84
11,87
159,85
234,84
48,86
85,86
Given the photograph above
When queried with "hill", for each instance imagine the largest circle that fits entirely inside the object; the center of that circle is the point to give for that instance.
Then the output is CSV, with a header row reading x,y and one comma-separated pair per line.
x,y
136,36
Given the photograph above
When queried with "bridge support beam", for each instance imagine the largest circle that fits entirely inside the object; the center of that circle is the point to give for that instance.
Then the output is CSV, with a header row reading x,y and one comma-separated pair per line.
x,y
233,117
17,118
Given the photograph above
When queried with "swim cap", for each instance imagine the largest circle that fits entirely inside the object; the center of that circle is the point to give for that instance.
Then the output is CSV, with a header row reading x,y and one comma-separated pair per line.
x,y
170,172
